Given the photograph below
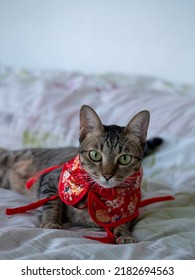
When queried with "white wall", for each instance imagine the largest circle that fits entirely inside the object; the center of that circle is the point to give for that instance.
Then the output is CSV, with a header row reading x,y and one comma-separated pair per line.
x,y
150,37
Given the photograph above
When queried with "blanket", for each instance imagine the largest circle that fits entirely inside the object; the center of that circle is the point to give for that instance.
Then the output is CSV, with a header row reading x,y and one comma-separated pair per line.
x,y
41,109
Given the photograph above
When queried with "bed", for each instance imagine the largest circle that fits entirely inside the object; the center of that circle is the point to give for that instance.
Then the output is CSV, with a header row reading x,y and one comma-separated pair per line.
x,y
41,109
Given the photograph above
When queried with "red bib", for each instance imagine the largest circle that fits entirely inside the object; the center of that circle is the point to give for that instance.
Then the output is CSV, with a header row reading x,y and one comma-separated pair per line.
x,y
108,207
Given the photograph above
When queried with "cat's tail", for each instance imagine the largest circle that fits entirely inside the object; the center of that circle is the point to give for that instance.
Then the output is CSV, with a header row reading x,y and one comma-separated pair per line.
x,y
151,145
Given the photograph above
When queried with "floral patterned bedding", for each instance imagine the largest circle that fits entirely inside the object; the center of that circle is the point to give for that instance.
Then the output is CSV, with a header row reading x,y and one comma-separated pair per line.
x,y
41,109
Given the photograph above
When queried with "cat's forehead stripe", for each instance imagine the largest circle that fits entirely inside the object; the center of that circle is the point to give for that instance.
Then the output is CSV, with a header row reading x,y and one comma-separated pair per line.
x,y
113,134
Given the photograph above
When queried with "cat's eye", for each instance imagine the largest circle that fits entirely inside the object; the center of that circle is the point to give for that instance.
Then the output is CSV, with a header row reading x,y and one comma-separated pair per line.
x,y
124,159
95,156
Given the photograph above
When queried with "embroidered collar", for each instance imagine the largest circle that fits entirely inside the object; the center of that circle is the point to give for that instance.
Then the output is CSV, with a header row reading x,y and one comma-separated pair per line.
x,y
107,207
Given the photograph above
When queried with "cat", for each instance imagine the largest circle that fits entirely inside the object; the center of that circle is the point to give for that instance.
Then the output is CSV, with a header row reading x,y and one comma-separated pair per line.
x,y
108,153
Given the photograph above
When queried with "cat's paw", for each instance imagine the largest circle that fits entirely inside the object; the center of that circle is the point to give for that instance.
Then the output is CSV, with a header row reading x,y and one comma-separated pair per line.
x,y
51,226
125,239
123,235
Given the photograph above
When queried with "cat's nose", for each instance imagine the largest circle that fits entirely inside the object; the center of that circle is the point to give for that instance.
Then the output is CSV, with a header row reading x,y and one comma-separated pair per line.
x,y
107,176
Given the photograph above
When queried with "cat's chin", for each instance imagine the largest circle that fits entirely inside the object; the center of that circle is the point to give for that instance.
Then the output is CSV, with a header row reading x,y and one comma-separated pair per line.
x,y
108,185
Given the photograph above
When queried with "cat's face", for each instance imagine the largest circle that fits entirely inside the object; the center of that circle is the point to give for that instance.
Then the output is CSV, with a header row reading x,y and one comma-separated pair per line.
x,y
110,154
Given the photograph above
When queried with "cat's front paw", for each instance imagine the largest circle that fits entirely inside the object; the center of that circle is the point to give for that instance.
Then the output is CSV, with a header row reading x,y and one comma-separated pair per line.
x,y
123,235
51,225
125,239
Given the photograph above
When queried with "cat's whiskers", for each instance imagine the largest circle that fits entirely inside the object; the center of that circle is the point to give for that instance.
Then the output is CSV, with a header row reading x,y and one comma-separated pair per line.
x,y
127,183
87,179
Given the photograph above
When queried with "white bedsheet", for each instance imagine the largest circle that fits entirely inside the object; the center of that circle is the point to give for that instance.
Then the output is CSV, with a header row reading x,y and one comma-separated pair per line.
x,y
42,109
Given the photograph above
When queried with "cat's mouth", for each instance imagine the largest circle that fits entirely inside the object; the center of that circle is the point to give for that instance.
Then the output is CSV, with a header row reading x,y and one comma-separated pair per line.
x,y
108,184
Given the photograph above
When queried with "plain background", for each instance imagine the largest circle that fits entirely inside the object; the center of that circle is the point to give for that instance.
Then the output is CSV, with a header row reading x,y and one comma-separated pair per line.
x,y
147,37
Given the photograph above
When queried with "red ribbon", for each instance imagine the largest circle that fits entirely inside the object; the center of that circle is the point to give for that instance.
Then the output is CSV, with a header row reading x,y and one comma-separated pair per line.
x,y
110,238
25,208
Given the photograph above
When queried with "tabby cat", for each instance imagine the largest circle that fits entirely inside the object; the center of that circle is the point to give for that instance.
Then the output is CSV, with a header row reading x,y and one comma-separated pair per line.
x,y
108,153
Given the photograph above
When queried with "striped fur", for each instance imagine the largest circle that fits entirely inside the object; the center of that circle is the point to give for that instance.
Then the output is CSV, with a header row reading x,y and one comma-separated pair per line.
x,y
111,142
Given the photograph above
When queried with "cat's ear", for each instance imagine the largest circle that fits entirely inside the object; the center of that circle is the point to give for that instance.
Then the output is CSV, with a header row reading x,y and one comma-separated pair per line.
x,y
89,122
138,125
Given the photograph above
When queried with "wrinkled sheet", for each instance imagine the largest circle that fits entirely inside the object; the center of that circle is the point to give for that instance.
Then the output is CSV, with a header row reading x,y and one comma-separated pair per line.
x,y
41,109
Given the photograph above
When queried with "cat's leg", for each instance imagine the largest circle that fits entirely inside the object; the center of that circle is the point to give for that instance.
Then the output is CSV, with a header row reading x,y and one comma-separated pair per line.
x,y
123,234
52,210
52,215
15,169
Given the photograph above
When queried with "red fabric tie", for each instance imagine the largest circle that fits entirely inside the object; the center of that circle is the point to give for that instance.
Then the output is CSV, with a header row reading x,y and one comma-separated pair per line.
x,y
107,207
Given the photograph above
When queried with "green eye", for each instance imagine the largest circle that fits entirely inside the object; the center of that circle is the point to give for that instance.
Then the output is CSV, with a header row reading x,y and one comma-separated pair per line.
x,y
125,159
95,156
